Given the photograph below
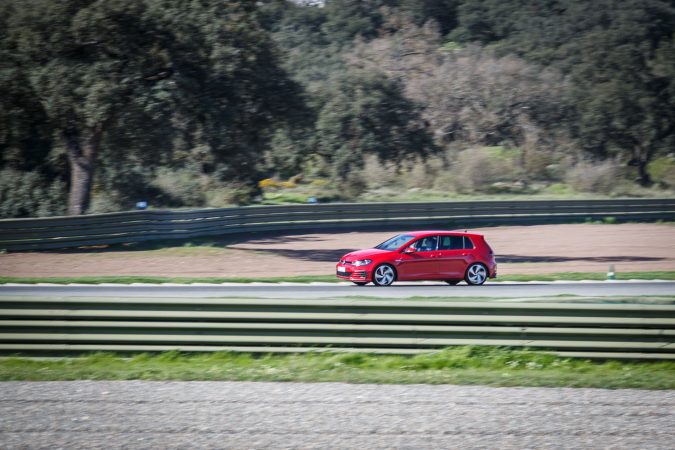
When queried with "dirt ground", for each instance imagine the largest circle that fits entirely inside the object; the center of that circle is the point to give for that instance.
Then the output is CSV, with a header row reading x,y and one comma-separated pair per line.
x,y
519,250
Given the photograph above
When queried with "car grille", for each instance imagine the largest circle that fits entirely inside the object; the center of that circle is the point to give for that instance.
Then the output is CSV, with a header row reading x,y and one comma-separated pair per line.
x,y
358,274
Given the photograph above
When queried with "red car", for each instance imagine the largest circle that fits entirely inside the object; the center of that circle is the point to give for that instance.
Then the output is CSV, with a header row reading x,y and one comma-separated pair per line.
x,y
421,255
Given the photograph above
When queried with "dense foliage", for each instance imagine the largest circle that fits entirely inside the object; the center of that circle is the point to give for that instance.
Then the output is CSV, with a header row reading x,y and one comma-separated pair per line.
x,y
193,103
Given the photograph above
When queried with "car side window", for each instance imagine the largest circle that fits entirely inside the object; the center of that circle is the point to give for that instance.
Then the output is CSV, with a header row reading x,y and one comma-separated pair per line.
x,y
425,244
451,243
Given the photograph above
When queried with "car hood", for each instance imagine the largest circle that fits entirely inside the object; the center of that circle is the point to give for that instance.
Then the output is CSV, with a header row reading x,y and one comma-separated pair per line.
x,y
363,254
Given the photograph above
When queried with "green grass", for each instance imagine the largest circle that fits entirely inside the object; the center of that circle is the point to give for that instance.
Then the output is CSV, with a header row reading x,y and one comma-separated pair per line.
x,y
562,298
556,191
577,276
459,365
565,276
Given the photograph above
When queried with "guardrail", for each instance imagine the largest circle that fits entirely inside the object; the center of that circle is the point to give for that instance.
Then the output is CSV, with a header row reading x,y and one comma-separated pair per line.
x,y
158,324
137,226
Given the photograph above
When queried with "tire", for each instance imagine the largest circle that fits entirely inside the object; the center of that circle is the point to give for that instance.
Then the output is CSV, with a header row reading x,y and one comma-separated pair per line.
x,y
476,274
359,283
384,275
452,282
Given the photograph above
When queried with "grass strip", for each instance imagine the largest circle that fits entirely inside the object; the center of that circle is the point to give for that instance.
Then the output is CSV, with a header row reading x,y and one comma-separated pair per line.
x,y
599,276
563,276
469,365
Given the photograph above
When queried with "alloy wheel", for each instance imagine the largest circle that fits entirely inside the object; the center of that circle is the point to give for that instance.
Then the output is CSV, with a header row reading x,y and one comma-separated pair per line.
x,y
384,275
476,274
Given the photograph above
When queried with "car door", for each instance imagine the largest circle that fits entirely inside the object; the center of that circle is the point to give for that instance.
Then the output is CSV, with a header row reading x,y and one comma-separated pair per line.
x,y
452,256
420,263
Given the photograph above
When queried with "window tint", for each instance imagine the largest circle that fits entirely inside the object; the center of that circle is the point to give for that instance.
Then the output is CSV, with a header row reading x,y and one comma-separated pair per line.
x,y
451,243
425,244
467,242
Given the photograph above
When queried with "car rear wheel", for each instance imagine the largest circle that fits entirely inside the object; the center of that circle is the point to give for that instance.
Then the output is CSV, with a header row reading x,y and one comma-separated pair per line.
x,y
359,283
476,274
452,282
384,275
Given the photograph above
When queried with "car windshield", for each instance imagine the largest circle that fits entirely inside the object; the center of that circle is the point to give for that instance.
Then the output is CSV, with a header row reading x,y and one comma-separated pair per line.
x,y
395,242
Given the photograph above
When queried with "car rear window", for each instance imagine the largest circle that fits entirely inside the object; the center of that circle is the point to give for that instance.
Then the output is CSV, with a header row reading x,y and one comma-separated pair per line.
x,y
451,243
455,243
467,242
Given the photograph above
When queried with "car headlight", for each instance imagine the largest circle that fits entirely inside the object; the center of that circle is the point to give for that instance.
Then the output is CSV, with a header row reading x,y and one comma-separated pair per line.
x,y
362,262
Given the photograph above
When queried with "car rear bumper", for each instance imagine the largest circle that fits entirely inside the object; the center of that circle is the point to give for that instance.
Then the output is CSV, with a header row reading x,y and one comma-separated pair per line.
x,y
493,270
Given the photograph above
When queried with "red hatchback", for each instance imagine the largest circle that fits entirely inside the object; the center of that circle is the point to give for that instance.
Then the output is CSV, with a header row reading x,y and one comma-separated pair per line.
x,y
421,255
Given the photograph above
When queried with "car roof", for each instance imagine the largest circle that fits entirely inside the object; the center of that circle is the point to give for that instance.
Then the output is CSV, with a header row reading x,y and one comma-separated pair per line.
x,y
421,233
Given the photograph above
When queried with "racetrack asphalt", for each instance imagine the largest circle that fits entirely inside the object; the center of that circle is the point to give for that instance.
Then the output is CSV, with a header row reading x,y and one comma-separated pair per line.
x,y
254,415
332,290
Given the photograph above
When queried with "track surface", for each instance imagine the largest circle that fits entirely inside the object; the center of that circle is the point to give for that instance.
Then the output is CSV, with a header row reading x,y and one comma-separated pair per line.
x,y
328,415
328,290
532,249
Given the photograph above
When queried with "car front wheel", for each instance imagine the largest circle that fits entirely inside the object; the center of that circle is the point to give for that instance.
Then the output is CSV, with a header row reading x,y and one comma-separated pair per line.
x,y
384,275
476,274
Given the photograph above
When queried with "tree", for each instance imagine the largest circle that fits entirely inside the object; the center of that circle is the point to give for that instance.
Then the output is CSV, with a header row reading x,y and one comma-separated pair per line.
x,y
622,61
25,138
368,114
443,12
610,49
98,65
347,19
470,96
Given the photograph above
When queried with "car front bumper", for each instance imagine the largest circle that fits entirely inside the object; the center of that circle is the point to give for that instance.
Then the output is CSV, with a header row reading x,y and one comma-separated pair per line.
x,y
356,274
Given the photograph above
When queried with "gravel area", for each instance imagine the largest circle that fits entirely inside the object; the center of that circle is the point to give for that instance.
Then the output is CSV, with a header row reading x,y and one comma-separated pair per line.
x,y
630,247
238,415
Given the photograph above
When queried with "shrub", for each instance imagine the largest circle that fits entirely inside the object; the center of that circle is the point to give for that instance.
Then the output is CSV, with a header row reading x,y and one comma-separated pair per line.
x,y
219,196
477,169
597,177
103,202
422,174
30,194
662,170
353,186
539,165
183,185
266,183
380,173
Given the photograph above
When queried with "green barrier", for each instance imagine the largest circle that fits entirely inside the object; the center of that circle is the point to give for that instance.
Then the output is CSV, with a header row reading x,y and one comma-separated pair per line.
x,y
30,324
140,226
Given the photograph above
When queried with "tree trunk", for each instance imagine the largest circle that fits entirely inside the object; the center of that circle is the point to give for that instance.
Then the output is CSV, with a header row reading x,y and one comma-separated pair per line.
x,y
641,158
82,154
644,179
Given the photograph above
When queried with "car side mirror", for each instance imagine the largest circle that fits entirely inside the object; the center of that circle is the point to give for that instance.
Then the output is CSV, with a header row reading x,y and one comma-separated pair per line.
x,y
409,250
